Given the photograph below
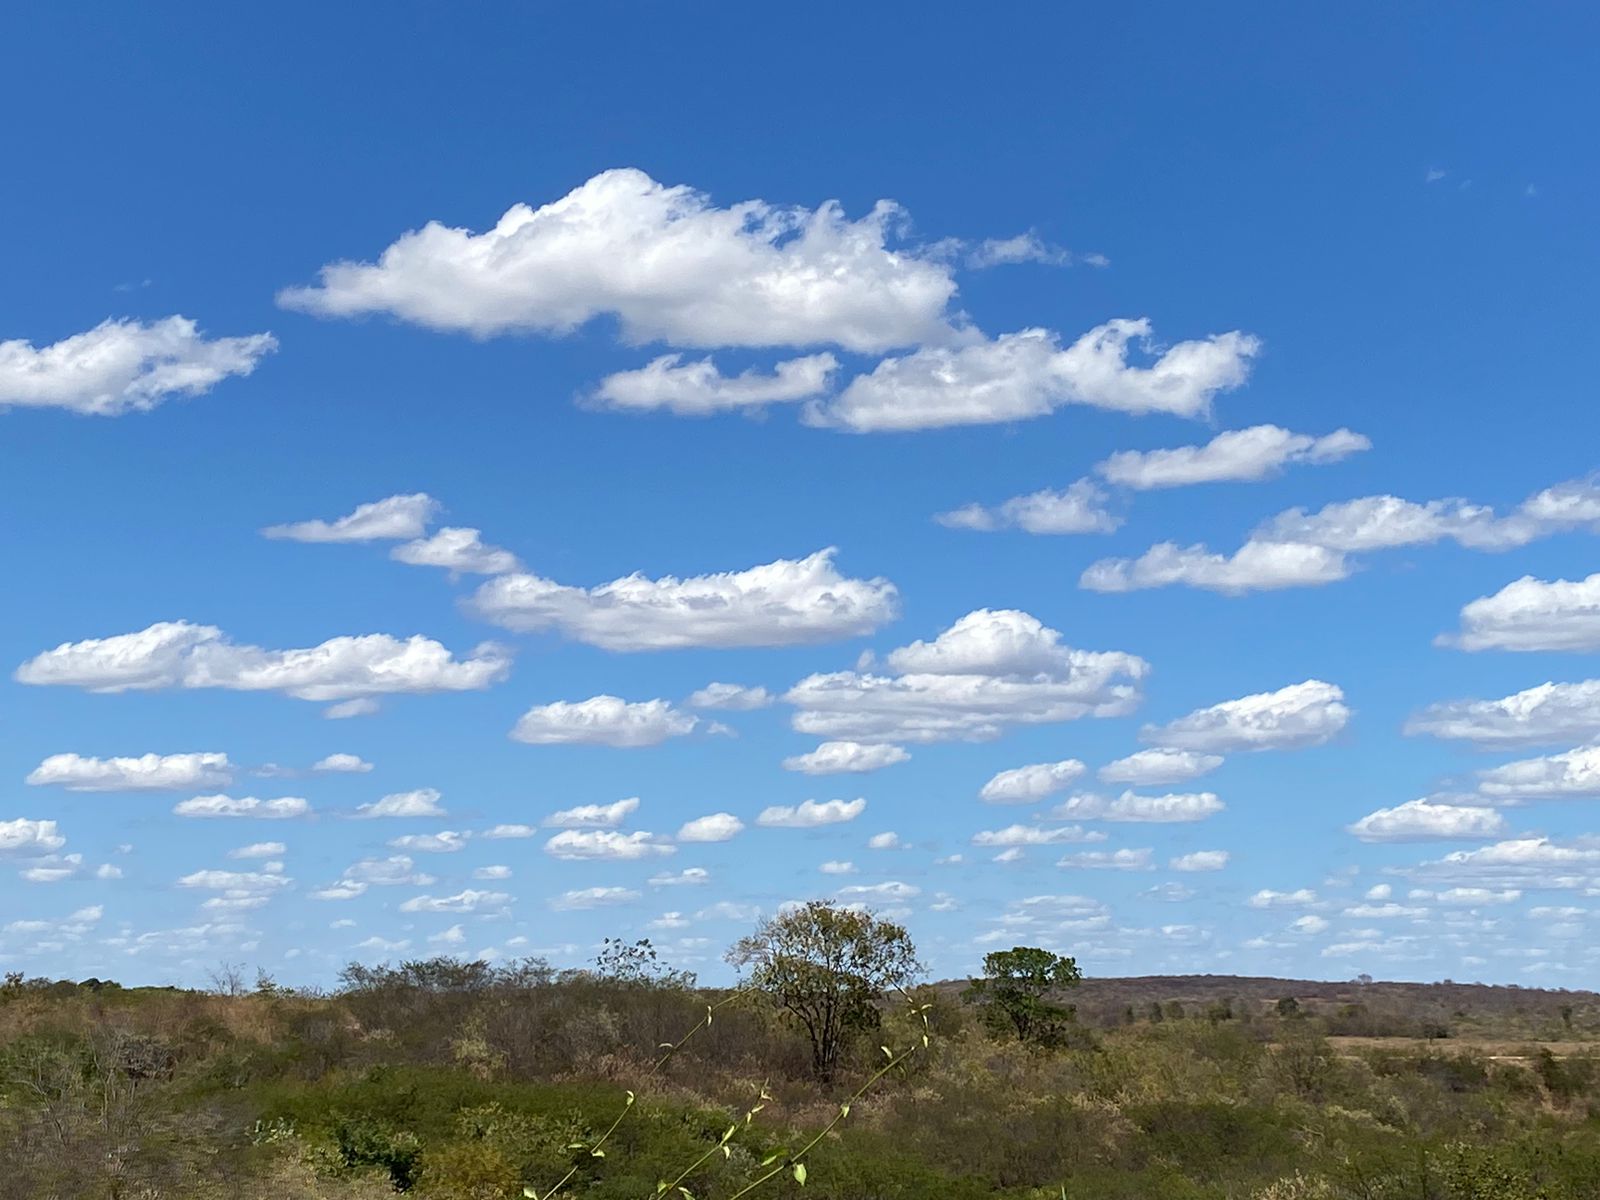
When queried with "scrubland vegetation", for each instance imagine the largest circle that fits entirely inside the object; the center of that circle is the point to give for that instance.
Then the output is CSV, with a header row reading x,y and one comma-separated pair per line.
x,y
459,1081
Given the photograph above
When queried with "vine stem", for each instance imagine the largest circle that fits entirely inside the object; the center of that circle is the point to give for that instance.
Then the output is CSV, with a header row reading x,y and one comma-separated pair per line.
x,y
797,1159
596,1150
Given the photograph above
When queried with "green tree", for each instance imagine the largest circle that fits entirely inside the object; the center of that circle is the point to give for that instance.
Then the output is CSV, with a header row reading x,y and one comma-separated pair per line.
x,y
1015,993
826,966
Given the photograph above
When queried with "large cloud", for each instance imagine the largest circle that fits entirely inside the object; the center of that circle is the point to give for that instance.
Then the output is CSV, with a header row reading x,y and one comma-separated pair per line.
x,y
603,721
665,261
1302,714
1550,712
147,772
1532,614
991,670
782,603
1239,454
123,366
1015,376
177,654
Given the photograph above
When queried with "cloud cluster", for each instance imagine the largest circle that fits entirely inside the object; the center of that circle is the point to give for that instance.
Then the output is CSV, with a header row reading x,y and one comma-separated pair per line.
x,y
177,654
1301,549
124,366
991,670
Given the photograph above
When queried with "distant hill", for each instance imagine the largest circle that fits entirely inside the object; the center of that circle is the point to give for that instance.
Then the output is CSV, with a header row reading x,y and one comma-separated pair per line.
x,y
1356,1007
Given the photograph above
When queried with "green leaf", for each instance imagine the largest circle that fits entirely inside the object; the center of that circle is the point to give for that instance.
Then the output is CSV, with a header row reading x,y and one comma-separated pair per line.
x,y
800,1174
727,1152
773,1157
844,1110
630,1097
530,1193
597,1154
887,1053
661,1186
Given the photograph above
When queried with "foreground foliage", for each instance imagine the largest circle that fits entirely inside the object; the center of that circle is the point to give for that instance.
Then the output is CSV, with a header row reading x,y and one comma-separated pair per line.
x,y
458,1082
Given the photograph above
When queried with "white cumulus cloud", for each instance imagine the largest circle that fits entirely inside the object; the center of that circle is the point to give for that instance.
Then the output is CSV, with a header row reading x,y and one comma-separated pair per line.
x,y
1016,376
1200,860
732,697
717,827
782,603
1554,776
1300,715
1550,712
177,654
394,518
1425,821
147,772
1025,785
665,261
1239,454
1080,508
699,389
990,670
1534,614
124,366
811,813
603,721
589,816
423,802
282,808
592,844
846,758
1154,767
457,550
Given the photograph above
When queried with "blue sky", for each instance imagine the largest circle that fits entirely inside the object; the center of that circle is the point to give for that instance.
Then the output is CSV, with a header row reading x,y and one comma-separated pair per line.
x,y
1268,325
